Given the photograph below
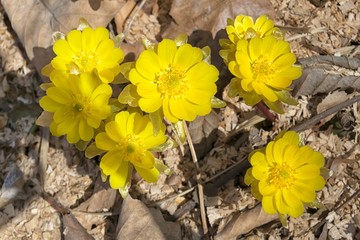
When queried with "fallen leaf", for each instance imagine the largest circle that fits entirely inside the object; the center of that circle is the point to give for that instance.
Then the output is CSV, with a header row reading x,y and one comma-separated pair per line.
x,y
12,186
211,15
323,74
203,132
331,100
245,222
73,230
34,21
136,221
103,197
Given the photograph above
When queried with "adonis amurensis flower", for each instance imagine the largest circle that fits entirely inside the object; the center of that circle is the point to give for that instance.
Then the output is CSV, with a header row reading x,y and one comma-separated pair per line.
x,y
284,176
243,27
264,69
78,103
127,142
175,80
87,51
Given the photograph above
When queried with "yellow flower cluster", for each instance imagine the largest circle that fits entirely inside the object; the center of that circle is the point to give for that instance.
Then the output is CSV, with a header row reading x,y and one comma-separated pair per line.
x,y
284,176
174,81
261,62
170,79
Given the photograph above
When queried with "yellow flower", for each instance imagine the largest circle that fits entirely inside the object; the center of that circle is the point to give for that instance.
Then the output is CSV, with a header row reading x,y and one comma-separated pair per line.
x,y
243,27
284,176
175,79
90,50
127,141
79,103
264,70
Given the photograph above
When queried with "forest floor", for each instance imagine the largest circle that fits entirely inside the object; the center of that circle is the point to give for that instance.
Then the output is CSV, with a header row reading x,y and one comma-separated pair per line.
x,y
43,170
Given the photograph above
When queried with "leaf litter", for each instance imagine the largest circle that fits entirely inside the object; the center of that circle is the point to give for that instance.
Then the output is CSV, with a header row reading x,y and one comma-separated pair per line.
x,y
74,181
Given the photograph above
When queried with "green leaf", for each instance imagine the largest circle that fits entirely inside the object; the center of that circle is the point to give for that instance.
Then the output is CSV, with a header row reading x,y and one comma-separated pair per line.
x,y
92,151
217,103
181,39
123,76
156,119
179,130
148,45
206,51
129,96
58,35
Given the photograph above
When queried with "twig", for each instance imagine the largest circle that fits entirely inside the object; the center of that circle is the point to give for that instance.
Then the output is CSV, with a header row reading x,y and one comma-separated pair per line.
x,y
270,116
44,148
198,179
205,182
127,29
310,122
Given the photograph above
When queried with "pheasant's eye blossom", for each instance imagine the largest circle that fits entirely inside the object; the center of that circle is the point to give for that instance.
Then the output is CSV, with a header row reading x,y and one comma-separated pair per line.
x,y
264,70
78,104
243,27
90,50
174,79
284,176
127,142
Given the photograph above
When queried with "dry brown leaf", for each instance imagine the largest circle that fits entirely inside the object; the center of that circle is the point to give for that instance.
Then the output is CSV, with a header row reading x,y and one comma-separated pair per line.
x,y
34,21
331,100
102,198
211,15
136,221
203,132
323,74
245,222
73,230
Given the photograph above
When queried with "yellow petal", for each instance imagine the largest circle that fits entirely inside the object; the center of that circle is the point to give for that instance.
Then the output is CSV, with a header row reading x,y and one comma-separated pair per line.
x,y
168,114
279,203
143,160
111,161
104,142
150,104
147,65
181,109
49,105
149,175
267,189
59,95
119,178
73,135
74,40
307,171
166,50
68,125
101,34
187,56
291,199
62,49
86,132
304,194
148,90
268,204
88,39
115,131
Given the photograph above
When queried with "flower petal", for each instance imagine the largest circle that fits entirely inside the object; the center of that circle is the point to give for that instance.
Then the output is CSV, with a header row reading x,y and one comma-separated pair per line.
x,y
104,142
111,161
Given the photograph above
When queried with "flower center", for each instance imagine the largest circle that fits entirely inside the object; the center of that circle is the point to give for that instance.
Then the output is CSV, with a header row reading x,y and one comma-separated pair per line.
x,y
171,82
263,69
282,176
81,106
85,61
